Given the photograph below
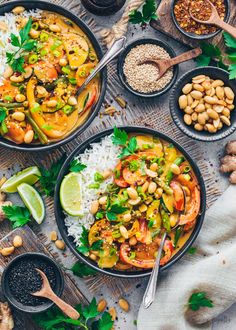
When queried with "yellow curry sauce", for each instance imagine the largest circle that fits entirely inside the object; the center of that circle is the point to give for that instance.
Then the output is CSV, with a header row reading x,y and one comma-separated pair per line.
x,y
154,189
40,101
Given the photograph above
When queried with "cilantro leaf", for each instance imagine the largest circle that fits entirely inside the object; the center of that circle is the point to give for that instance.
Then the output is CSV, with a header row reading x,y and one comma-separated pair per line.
x,y
29,45
135,17
232,71
232,57
15,40
24,33
203,60
96,246
148,13
3,114
115,209
132,145
192,250
105,322
84,247
199,299
17,64
49,176
91,310
82,270
18,215
230,41
119,137
210,49
76,166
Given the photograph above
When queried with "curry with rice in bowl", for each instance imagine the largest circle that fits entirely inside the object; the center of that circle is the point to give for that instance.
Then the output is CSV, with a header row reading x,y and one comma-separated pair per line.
x,y
46,59
121,195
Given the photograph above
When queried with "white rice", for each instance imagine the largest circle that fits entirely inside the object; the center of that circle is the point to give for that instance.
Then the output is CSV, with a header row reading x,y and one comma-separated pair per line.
x,y
10,20
100,157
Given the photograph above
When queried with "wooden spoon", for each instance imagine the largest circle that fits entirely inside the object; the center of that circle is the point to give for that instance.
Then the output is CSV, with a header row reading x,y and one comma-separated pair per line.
x,y
164,65
216,20
46,292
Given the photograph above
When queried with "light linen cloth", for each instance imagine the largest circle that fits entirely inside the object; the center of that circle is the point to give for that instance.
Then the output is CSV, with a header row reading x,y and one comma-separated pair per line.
x,y
211,269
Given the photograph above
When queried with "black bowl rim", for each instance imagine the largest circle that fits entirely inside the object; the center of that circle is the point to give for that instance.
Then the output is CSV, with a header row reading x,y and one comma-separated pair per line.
x,y
174,112
60,222
94,111
203,36
142,41
35,309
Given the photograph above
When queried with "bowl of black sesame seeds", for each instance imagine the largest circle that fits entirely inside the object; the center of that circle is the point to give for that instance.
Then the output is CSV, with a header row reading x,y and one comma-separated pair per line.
x,y
142,79
20,279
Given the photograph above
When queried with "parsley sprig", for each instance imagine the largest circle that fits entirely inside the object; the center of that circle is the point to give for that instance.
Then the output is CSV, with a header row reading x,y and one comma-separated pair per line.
x,y
120,138
199,299
143,17
84,247
23,43
225,61
113,210
90,318
76,166
18,215
82,270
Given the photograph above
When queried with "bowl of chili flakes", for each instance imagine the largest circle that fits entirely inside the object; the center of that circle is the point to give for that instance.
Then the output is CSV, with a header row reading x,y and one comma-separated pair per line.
x,y
187,26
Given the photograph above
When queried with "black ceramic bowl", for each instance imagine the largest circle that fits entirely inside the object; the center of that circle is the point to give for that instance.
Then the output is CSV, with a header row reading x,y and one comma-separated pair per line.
x,y
196,36
178,114
6,8
26,308
121,61
60,216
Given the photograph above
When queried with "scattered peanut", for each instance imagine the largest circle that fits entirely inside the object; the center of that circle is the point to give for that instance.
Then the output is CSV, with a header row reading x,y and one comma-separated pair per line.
x,y
127,217
102,304
124,232
143,207
52,103
72,100
7,251
132,193
19,116
206,103
54,28
94,207
8,72
133,240
60,244
20,98
102,200
152,187
17,241
53,236
112,312
175,169
17,79
28,138
154,167
124,305
134,201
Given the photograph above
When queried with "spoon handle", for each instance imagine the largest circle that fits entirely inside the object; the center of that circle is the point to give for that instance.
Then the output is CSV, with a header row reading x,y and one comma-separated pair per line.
x,y
115,50
64,307
149,294
185,56
226,27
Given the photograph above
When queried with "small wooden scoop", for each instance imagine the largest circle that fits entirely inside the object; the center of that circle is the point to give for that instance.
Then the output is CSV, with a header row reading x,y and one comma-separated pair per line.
x,y
164,65
46,292
216,20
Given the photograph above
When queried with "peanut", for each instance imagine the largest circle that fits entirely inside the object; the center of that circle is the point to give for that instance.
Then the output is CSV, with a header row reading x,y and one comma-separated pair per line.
x,y
124,305
152,187
212,114
196,95
18,10
183,102
187,88
60,244
17,241
124,232
94,207
53,236
63,62
7,251
102,304
127,217
132,193
134,201
154,167
29,136
217,83
102,200
54,28
229,93
133,241
112,312
175,169
225,120
19,116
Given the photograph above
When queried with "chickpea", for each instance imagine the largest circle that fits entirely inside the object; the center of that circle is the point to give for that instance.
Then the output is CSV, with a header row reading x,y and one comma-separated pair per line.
x,y
19,116
29,136
63,62
20,98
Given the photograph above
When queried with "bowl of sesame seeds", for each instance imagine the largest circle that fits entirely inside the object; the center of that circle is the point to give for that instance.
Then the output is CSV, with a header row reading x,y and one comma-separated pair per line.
x,y
141,79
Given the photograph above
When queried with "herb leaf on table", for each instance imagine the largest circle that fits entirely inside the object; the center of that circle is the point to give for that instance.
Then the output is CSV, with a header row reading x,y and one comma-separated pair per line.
x,y
82,270
23,42
143,17
48,178
192,250
199,299
18,215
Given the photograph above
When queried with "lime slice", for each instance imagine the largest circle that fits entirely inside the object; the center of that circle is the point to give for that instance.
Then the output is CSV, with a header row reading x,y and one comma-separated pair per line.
x,y
70,194
33,201
29,175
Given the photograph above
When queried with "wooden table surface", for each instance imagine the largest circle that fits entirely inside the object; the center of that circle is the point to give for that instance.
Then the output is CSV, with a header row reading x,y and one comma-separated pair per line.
x,y
154,113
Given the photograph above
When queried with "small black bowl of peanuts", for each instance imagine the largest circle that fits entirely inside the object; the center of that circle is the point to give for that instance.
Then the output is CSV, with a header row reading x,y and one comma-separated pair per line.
x,y
202,104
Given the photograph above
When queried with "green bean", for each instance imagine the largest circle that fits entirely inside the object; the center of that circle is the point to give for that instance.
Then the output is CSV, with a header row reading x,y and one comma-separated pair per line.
x,y
42,137
11,105
170,174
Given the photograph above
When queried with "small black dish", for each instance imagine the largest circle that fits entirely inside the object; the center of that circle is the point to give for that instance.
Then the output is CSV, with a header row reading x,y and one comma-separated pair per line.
x,y
178,114
121,61
59,283
60,216
44,5
196,36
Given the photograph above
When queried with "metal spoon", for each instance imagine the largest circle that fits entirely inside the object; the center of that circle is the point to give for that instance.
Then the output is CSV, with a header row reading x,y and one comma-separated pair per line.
x,y
115,50
164,65
46,292
215,20
150,292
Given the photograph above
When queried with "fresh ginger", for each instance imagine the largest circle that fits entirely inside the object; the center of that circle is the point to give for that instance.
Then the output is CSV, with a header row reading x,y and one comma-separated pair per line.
x,y
228,163
6,318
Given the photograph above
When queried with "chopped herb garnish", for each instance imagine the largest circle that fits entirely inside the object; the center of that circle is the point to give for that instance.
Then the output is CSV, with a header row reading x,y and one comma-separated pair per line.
x,y
98,177
113,210
151,223
18,215
76,166
199,299
94,186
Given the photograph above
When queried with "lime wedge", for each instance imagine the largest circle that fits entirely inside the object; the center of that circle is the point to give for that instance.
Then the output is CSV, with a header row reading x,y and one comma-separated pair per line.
x,y
33,201
29,175
70,194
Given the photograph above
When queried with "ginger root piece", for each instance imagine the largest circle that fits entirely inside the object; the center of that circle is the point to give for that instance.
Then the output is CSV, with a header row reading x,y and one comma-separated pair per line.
x,y
6,318
228,163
